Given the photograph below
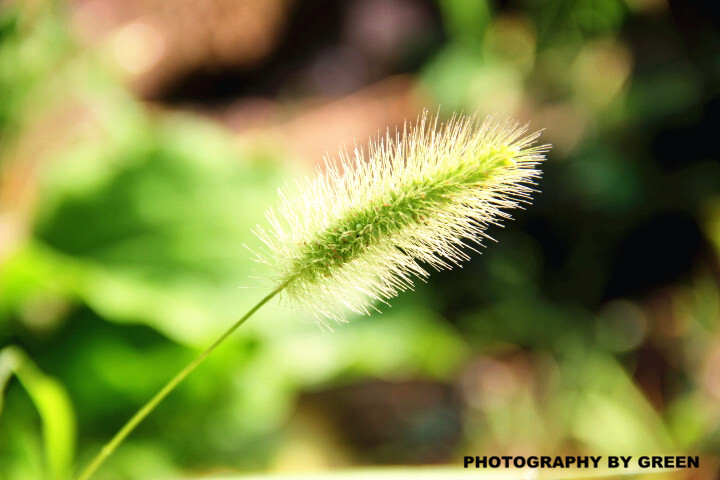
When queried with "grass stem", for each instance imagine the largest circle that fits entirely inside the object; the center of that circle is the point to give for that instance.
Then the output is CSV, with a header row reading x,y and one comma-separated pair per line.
x,y
146,409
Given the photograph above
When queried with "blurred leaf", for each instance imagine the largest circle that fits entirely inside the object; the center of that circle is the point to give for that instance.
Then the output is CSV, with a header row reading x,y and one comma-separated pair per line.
x,y
466,21
462,81
33,44
158,237
611,412
55,409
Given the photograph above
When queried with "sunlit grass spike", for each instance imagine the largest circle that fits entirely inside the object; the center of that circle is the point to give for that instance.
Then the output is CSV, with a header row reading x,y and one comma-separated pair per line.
x,y
363,229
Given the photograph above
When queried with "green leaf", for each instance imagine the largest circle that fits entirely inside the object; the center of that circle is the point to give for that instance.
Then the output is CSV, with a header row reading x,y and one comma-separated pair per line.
x,y
53,405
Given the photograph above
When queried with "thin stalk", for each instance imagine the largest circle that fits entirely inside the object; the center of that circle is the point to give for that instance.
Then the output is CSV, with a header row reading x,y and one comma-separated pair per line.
x,y
140,415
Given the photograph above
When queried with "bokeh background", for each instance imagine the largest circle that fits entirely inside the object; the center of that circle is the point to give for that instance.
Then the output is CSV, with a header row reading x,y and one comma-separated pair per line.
x,y
140,142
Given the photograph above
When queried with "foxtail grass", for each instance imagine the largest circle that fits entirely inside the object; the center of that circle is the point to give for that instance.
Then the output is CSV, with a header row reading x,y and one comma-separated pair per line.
x,y
357,234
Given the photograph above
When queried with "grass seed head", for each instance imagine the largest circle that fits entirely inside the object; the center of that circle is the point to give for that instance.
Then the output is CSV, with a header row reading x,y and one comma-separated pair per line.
x,y
359,232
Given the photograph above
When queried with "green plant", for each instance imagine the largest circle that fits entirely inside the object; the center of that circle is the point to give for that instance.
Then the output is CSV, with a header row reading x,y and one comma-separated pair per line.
x,y
53,405
358,233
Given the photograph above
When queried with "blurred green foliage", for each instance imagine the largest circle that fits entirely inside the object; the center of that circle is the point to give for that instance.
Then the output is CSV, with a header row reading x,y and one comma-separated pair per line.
x,y
592,326
53,405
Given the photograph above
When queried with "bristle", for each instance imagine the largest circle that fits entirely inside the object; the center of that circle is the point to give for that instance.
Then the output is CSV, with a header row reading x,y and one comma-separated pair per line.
x,y
361,231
